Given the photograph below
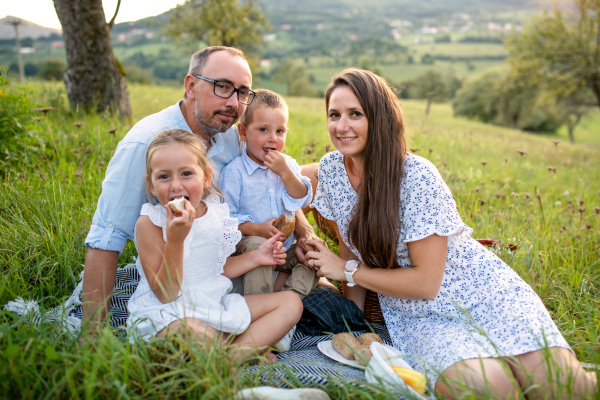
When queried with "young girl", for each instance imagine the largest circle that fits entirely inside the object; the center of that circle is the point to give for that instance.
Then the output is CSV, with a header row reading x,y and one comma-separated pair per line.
x,y
183,258
454,309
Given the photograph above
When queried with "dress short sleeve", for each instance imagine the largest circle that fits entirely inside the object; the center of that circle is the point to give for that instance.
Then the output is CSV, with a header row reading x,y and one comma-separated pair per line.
x,y
426,202
157,215
231,234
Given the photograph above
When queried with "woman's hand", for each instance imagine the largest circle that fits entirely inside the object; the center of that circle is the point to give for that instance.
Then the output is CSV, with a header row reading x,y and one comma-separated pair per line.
x,y
271,252
179,225
325,261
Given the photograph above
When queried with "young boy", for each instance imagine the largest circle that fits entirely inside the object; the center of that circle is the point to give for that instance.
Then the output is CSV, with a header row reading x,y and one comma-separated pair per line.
x,y
262,184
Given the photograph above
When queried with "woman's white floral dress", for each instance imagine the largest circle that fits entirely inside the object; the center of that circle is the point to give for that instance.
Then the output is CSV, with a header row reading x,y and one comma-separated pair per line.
x,y
205,292
483,308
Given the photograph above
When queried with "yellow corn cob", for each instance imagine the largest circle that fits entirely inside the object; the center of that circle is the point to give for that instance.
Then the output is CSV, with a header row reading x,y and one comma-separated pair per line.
x,y
412,378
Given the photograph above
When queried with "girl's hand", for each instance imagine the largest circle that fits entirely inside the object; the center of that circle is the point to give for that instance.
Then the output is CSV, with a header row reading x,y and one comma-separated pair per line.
x,y
179,225
271,252
275,162
325,261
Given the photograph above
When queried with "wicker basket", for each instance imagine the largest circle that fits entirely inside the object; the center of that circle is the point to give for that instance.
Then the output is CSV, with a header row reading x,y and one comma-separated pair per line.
x,y
373,312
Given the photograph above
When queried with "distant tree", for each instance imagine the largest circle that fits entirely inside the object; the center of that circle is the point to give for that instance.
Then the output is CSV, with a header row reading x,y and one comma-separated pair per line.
x,y
94,77
494,97
232,23
52,69
443,87
559,51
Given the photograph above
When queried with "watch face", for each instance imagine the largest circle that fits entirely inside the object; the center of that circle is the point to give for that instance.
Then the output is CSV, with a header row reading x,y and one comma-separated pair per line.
x,y
351,265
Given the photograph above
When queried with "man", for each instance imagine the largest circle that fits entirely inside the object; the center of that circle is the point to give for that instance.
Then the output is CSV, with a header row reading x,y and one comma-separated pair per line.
x,y
217,88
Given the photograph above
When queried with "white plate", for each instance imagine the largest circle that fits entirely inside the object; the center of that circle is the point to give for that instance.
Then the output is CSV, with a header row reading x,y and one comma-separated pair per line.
x,y
327,349
379,371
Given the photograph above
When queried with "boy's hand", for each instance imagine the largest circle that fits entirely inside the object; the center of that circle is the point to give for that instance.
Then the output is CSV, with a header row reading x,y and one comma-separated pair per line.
x,y
271,252
179,225
266,229
275,162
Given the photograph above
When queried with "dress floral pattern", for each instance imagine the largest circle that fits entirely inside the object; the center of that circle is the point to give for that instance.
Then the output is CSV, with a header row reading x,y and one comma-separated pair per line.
x,y
483,308
205,292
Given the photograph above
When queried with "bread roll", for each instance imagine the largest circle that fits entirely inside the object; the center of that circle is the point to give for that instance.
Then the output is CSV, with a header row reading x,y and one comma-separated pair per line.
x,y
177,205
286,224
368,338
364,354
346,344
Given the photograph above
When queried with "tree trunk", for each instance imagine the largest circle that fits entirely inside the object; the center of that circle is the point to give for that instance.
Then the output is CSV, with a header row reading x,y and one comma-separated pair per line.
x,y
93,77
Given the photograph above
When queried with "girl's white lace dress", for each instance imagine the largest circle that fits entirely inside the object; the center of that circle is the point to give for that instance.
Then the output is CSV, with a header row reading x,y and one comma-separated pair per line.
x,y
205,293
483,308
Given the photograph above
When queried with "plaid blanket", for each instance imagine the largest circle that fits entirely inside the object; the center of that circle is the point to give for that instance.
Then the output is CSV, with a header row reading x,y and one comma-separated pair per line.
x,y
303,365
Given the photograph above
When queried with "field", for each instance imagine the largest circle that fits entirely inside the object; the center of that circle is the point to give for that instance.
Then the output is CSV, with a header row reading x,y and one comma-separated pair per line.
x,y
518,188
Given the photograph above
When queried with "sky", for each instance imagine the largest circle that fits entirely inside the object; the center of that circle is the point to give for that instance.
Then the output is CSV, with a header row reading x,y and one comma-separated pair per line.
x,y
42,12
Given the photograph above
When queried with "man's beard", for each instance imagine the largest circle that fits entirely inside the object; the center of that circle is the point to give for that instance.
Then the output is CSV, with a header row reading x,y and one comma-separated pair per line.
x,y
213,130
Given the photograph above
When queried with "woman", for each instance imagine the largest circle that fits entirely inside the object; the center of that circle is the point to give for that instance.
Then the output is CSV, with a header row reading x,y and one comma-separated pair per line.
x,y
455,310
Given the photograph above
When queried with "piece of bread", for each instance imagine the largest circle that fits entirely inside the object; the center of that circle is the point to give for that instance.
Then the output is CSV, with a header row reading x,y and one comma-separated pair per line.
x,y
177,205
364,354
368,338
286,224
346,344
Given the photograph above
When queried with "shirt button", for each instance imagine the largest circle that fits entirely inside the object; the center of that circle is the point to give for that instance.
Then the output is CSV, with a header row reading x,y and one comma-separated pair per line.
x,y
110,225
271,190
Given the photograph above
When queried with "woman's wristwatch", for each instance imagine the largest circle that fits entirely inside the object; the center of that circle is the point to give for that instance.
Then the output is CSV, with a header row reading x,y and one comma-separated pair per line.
x,y
349,270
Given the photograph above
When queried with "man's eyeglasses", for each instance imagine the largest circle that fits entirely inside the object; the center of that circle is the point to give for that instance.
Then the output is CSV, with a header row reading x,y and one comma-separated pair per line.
x,y
225,90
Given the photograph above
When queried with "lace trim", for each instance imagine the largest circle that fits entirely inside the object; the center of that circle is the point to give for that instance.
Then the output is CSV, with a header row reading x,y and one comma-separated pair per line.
x,y
231,233
158,216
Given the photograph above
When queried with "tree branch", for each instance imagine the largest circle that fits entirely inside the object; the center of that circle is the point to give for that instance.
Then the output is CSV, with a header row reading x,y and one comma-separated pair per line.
x,y
112,21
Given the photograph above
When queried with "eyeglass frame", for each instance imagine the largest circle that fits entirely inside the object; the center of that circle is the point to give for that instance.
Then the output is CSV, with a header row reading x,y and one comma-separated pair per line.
x,y
215,81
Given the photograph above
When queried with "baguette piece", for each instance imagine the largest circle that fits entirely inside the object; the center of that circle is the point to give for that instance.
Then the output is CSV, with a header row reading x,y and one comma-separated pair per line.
x,y
368,338
286,224
177,205
346,344
364,354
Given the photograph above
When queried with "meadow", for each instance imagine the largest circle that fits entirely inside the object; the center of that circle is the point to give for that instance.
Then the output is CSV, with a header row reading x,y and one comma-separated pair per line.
x,y
537,192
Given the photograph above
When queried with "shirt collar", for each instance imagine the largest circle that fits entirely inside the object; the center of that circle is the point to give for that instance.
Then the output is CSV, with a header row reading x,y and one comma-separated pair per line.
x,y
249,164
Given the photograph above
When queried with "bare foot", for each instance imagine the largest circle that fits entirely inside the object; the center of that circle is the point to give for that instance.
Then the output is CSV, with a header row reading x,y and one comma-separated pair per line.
x,y
271,358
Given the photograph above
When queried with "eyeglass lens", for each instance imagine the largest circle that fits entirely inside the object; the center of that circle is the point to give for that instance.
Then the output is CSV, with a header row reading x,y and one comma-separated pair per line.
x,y
224,89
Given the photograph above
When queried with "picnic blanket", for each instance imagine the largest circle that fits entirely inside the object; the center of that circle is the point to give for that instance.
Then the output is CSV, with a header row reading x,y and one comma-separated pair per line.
x,y
304,362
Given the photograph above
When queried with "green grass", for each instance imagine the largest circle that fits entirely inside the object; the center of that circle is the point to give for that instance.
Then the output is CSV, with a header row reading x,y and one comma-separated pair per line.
x,y
46,209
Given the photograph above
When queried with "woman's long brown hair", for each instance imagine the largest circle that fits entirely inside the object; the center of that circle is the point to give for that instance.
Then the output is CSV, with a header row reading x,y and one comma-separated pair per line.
x,y
375,227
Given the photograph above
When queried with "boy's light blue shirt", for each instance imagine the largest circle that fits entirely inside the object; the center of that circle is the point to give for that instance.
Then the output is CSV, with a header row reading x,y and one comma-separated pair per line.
x,y
124,185
256,194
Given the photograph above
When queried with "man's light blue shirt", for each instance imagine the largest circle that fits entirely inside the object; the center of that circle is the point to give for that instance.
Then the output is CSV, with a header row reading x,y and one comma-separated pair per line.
x,y
254,193
124,185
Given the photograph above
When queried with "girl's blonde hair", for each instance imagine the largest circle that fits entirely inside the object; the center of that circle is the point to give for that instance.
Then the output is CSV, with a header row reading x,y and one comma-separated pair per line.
x,y
191,142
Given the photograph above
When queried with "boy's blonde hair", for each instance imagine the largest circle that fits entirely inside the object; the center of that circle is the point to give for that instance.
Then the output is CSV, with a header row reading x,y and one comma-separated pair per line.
x,y
190,142
263,97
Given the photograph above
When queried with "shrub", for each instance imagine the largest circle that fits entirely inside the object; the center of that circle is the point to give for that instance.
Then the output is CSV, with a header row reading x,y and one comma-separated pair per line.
x,y
19,136
52,69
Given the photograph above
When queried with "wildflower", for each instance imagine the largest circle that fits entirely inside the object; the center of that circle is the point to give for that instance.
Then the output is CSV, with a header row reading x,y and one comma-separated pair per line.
x,y
483,163
597,210
550,168
556,142
566,193
515,195
521,152
481,202
113,131
327,147
414,150
581,202
558,204
78,124
44,109
527,195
